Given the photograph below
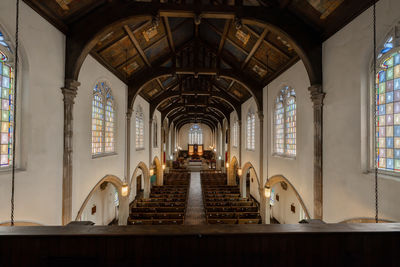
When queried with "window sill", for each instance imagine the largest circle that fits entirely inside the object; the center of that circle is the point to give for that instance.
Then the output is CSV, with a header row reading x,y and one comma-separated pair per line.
x,y
384,174
139,148
8,170
284,156
251,150
103,155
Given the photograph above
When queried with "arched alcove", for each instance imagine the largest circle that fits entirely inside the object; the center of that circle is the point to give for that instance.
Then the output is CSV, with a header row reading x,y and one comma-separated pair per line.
x,y
242,184
232,171
141,167
101,185
158,171
282,182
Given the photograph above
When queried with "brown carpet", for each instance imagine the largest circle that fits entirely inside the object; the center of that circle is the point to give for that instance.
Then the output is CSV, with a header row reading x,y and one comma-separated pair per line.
x,y
195,209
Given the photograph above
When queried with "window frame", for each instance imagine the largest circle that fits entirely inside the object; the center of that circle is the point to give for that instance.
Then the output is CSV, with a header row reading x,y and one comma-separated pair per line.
x,y
198,137
283,98
155,133
106,96
381,58
140,115
235,132
250,136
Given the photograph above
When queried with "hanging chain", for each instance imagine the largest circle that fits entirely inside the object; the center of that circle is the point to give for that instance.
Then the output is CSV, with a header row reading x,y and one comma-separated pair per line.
x,y
267,122
15,113
375,119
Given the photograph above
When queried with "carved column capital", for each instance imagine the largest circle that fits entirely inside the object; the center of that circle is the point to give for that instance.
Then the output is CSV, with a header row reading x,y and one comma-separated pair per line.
x,y
260,114
317,96
129,113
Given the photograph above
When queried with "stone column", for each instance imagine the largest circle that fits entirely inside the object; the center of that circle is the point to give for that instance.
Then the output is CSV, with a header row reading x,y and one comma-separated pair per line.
x,y
263,200
229,170
69,92
317,97
240,143
128,146
150,143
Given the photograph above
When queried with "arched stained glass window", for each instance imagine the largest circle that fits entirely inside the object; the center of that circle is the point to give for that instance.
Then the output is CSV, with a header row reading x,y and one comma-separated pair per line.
x,y
388,107
103,120
236,134
7,102
285,123
251,129
155,132
139,129
195,135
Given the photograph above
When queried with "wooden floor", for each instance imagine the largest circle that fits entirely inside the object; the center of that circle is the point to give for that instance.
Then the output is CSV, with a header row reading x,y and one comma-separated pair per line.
x,y
195,209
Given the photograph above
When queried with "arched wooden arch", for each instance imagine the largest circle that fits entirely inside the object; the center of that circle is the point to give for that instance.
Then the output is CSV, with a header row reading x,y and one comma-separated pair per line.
x,y
158,171
146,178
80,41
114,180
280,178
242,184
366,220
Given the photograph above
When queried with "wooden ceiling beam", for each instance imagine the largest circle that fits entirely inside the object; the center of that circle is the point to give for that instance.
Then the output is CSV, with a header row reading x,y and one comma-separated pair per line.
x,y
254,48
224,36
169,34
137,45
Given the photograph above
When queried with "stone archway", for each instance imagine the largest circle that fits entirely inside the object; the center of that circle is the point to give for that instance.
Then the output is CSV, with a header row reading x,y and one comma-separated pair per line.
x,y
233,166
146,178
280,178
117,183
242,184
158,170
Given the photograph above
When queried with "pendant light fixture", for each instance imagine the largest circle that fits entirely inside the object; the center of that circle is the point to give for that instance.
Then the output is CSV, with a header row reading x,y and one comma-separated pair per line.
x,y
125,187
267,188
375,117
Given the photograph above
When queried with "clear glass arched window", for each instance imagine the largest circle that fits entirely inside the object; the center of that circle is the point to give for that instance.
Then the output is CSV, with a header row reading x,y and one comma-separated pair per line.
x,y
387,90
251,131
103,120
7,102
285,122
139,128
195,135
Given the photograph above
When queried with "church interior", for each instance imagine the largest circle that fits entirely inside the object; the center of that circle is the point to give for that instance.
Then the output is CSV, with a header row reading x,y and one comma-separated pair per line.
x,y
196,132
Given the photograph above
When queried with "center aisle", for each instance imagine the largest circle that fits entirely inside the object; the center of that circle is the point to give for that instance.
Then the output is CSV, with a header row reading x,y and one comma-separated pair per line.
x,y
195,208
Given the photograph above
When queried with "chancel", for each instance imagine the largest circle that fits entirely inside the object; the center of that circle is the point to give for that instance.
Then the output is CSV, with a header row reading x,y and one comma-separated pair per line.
x,y
199,133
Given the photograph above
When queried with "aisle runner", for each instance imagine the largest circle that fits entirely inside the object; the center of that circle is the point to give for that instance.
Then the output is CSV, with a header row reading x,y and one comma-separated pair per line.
x,y
195,209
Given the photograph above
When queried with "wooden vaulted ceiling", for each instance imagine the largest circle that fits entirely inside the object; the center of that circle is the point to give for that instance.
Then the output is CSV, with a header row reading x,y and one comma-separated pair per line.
x,y
209,43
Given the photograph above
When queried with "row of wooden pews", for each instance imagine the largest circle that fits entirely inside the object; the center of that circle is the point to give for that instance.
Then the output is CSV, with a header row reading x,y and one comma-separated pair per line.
x,y
223,204
166,204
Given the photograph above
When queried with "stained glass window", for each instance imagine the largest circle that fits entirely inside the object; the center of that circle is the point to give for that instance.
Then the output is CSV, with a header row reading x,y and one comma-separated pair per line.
x,y
155,133
7,106
388,112
103,120
139,128
235,134
251,129
195,135
285,123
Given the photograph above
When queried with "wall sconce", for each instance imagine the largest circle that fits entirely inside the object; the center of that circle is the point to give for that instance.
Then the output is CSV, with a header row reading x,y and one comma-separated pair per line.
x,y
227,165
124,190
240,172
171,157
267,191
163,166
215,150
176,150
219,157
151,172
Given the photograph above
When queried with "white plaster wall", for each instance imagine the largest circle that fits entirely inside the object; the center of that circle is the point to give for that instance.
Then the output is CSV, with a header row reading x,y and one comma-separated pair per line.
x,y
254,191
281,209
184,136
38,185
106,211
348,191
252,156
88,171
299,171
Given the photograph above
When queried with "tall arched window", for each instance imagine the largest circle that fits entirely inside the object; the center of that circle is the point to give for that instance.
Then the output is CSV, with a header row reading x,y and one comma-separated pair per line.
x,y
7,100
251,131
195,135
155,132
387,90
103,120
285,123
139,129
236,134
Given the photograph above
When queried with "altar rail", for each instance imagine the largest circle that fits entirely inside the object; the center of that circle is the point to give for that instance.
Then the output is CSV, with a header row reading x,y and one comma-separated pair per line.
x,y
211,245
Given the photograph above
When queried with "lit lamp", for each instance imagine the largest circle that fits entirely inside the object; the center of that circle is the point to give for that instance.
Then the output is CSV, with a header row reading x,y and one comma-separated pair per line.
x,y
240,171
267,191
151,172
219,157
124,190
227,165
163,166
